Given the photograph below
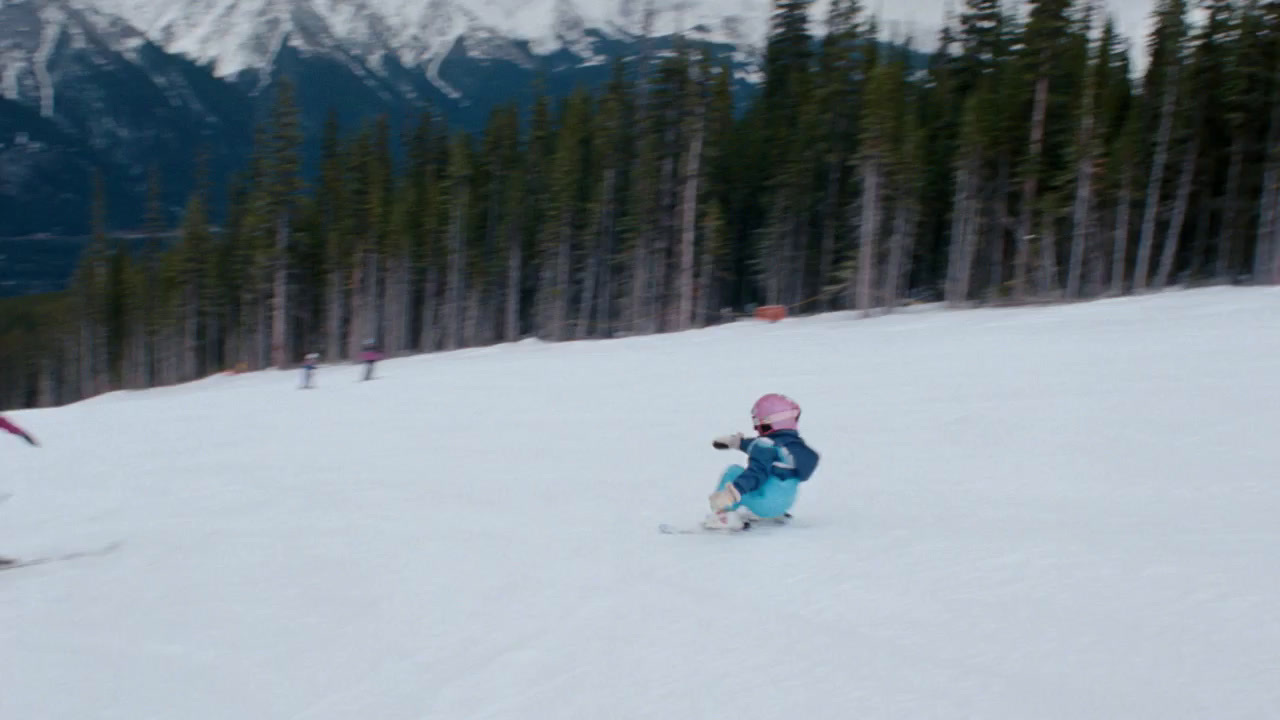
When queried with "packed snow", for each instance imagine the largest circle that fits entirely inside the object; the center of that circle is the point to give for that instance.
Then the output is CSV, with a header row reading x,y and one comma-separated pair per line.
x,y
1055,512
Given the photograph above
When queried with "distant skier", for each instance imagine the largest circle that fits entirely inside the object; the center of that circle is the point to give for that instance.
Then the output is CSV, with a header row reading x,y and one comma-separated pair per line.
x,y
14,429
777,462
369,357
309,364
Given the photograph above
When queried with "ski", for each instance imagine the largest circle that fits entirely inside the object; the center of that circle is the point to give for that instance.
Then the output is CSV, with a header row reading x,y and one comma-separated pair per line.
x,y
669,529
16,563
699,529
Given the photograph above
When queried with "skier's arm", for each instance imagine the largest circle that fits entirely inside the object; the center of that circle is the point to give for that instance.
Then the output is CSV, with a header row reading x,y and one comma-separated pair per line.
x,y
760,456
732,442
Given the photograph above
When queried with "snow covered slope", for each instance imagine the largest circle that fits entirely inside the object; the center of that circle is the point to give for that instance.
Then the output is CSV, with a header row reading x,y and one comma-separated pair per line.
x,y
1065,512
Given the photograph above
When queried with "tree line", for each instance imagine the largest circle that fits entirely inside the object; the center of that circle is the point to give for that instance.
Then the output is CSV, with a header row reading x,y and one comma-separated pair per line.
x,y
1024,160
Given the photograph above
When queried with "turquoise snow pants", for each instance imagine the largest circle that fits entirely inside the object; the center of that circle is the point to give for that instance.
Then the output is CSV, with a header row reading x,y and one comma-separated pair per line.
x,y
772,499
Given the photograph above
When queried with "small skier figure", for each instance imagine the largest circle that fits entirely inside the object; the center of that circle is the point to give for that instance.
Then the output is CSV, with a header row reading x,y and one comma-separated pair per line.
x,y
9,427
309,364
15,430
778,460
369,357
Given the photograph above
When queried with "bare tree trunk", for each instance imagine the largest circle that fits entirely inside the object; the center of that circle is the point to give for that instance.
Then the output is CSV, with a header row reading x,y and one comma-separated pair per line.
x,y
563,288
1274,255
430,340
969,251
775,267
398,330
1030,186
262,341
1266,256
1225,262
1146,240
586,304
604,318
1084,195
640,322
964,230
471,314
660,274
1120,239
457,292
388,310
689,226
796,264
280,295
138,343
827,252
515,271
1267,224
867,250
1174,236
190,324
706,283
1000,226
897,251
359,304
1049,254
1096,261
912,229
1079,231
959,229
333,334
86,352
1200,231
243,332
47,388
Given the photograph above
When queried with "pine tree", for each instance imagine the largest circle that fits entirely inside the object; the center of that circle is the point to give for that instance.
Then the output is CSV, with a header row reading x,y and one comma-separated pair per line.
x,y
284,184
459,190
1045,41
877,132
1086,159
1163,74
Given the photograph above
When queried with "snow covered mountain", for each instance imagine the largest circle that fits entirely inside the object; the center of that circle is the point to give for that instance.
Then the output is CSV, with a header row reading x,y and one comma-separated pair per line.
x,y
235,35
122,85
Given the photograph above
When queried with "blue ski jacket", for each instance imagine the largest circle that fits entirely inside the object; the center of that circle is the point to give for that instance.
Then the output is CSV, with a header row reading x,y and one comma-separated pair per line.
x,y
782,454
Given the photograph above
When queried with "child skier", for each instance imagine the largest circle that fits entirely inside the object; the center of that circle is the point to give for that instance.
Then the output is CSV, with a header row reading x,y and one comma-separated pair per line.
x,y
14,429
309,364
370,357
777,462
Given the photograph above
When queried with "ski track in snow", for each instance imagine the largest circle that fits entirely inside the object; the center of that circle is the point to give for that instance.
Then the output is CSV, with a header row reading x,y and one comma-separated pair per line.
x,y
1057,512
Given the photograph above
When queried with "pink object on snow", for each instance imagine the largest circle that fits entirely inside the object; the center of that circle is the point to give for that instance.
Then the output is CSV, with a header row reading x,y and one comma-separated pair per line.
x,y
10,427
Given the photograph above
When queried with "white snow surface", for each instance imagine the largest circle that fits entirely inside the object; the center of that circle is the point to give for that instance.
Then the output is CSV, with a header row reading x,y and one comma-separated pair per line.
x,y
1058,512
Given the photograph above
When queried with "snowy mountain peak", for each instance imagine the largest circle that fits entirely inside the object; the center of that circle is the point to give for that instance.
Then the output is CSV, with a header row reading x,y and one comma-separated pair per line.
x,y
237,35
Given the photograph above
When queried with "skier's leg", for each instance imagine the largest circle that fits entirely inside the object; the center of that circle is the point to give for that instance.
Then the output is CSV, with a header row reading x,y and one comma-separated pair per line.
x,y
729,519
730,474
772,499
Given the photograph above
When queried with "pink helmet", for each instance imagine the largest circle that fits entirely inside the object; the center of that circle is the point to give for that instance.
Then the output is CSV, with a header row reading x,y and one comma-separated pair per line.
x,y
778,412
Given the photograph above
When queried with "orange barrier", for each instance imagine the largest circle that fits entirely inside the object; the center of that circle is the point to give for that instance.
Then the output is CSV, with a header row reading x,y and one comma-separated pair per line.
x,y
772,313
